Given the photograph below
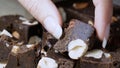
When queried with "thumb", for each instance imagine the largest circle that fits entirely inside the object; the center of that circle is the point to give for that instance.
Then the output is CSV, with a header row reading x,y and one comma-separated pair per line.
x,y
45,12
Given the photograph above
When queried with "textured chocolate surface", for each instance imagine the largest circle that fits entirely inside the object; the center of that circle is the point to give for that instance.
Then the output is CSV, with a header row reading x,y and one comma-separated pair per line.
x,y
24,57
6,44
76,30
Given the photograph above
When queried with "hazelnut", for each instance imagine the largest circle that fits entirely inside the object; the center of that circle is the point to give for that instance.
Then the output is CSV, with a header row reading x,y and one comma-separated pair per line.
x,y
16,35
80,5
90,22
107,55
114,19
97,54
77,48
46,62
15,49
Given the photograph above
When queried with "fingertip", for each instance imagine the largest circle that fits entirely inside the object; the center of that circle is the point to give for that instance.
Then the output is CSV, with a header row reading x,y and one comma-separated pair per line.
x,y
52,27
45,12
102,32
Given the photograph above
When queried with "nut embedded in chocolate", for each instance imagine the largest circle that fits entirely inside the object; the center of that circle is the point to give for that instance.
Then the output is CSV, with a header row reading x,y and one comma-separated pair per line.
x,y
24,56
76,30
16,35
80,5
97,54
46,62
77,48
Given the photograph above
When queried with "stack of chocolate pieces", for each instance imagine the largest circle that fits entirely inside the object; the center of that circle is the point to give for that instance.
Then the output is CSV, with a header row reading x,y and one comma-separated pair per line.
x,y
26,44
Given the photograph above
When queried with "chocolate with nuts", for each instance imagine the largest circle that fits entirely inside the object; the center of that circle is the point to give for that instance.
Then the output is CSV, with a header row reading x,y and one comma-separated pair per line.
x,y
63,62
78,31
6,44
24,56
112,61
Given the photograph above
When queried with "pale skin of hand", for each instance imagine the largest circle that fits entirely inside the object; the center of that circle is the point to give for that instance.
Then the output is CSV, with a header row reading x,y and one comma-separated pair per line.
x,y
46,12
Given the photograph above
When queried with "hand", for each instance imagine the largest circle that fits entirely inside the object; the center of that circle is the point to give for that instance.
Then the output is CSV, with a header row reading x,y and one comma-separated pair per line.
x,y
46,12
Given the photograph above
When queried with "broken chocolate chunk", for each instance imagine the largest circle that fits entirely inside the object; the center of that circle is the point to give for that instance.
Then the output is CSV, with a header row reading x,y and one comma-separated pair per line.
x,y
24,31
104,62
77,35
6,44
48,41
7,21
23,56
76,30
62,61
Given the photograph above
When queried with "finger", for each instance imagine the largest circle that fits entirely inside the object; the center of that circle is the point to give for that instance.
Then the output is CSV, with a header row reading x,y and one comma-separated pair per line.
x,y
45,12
103,15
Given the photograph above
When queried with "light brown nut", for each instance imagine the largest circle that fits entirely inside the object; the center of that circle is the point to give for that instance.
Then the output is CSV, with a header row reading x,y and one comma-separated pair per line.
x,y
80,5
91,23
16,35
114,19
15,49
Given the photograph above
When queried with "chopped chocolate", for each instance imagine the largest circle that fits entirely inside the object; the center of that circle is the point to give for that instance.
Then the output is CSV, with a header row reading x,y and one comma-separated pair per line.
x,y
23,57
62,61
86,62
6,44
80,10
26,31
7,21
21,28
104,62
76,30
114,39
48,41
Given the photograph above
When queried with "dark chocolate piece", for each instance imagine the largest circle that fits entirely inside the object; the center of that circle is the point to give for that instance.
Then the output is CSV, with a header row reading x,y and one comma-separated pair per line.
x,y
62,61
6,44
48,41
23,56
76,30
104,62
27,31
22,32
114,39
7,21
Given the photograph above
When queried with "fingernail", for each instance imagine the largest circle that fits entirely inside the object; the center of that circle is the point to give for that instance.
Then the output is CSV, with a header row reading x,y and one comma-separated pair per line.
x,y
106,36
104,43
52,26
